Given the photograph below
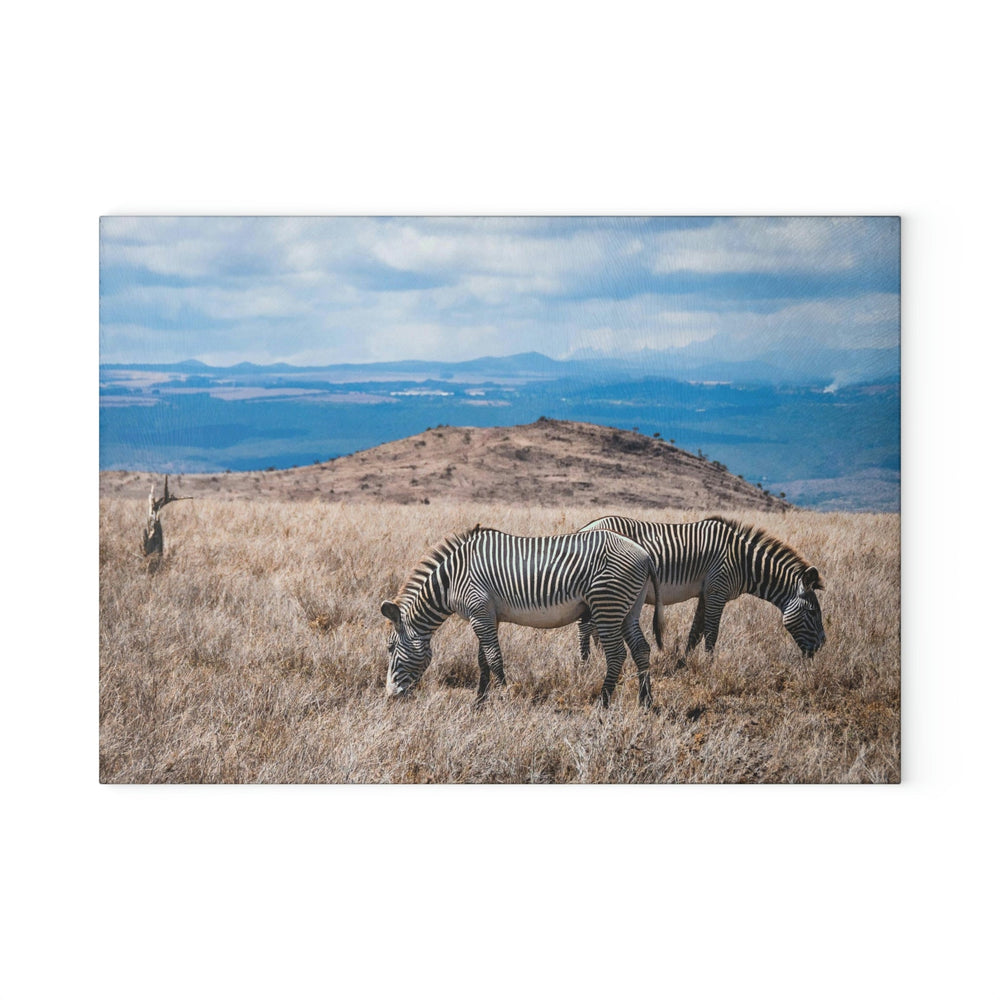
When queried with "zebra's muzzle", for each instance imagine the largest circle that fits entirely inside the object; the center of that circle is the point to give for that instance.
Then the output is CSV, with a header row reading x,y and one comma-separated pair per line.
x,y
810,651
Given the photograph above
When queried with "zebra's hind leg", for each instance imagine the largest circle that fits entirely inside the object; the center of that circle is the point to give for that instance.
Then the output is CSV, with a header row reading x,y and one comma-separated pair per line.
x,y
614,653
639,648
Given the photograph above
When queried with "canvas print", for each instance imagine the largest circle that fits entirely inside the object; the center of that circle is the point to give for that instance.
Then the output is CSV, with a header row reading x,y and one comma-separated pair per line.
x,y
499,499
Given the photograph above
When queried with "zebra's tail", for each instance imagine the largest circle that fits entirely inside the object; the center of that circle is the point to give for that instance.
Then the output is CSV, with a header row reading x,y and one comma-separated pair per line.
x,y
657,606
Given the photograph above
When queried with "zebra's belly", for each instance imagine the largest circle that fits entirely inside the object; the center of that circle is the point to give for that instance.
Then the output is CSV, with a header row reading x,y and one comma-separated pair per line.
x,y
554,616
674,593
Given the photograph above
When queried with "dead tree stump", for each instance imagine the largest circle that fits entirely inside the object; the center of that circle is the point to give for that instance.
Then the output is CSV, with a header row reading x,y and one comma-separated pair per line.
x,y
152,534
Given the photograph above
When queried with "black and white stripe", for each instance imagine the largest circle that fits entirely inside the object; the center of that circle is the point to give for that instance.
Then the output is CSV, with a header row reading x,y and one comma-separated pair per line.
x,y
717,560
487,577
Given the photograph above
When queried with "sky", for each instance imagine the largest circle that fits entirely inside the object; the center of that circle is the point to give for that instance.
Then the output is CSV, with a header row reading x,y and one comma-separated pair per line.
x,y
325,290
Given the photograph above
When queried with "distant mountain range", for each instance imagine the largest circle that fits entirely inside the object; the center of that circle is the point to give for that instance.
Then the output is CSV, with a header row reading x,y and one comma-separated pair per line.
x,y
831,443
812,367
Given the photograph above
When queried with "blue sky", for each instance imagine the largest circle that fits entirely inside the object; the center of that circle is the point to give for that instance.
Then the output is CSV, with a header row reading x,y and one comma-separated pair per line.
x,y
322,290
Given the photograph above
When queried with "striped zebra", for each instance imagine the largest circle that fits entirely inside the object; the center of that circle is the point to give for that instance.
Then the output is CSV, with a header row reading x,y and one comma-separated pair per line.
x,y
717,560
487,577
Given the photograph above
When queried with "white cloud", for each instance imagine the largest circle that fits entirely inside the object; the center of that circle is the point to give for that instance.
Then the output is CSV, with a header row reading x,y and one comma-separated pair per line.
x,y
866,321
265,289
758,246
209,302
641,322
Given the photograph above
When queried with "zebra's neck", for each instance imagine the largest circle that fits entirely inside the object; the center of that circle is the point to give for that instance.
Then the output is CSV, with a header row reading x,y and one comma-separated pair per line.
x,y
770,568
428,607
426,596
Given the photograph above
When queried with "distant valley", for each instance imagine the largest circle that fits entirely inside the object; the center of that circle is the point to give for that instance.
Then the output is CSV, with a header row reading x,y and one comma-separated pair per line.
x,y
825,445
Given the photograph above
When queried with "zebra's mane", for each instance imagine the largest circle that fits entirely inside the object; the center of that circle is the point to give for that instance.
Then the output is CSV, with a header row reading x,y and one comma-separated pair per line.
x,y
754,536
432,559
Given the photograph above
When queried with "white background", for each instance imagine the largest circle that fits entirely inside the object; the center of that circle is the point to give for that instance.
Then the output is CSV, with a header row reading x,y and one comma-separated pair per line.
x,y
768,108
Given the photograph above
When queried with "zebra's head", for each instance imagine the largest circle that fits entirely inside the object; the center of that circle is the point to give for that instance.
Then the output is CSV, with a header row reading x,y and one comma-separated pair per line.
x,y
801,613
409,652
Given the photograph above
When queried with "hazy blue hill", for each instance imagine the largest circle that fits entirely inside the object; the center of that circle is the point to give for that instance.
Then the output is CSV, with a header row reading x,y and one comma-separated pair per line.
x,y
191,365
810,366
532,361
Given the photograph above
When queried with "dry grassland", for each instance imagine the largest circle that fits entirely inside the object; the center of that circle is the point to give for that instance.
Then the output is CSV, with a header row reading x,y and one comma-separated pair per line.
x,y
255,652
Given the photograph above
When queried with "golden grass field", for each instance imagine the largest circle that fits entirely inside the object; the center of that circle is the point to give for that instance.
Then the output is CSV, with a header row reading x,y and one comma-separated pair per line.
x,y
255,652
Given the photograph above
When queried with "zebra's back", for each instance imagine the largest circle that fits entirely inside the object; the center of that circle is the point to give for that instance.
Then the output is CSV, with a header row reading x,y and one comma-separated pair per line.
x,y
683,553
544,581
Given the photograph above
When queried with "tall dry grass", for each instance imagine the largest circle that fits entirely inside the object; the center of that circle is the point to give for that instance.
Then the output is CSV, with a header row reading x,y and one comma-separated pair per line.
x,y
255,652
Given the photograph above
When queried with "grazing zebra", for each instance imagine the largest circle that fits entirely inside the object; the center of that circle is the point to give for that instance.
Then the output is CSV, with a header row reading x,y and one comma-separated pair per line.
x,y
717,560
487,576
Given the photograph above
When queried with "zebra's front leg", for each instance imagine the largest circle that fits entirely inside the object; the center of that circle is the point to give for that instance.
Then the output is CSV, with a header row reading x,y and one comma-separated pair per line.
x,y
586,629
490,657
484,675
697,630
713,618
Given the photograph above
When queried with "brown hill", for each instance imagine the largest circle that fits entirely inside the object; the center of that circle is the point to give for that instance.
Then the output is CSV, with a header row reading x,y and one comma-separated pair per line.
x,y
547,463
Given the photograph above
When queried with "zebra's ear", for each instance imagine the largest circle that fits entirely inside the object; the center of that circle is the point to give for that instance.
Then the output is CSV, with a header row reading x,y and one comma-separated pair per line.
x,y
811,580
391,611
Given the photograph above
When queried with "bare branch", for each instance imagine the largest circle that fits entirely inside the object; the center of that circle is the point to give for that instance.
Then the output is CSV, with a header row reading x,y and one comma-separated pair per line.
x,y
156,505
152,535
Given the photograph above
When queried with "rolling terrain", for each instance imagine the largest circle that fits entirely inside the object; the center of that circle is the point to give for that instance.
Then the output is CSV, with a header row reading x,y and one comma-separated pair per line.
x,y
254,649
